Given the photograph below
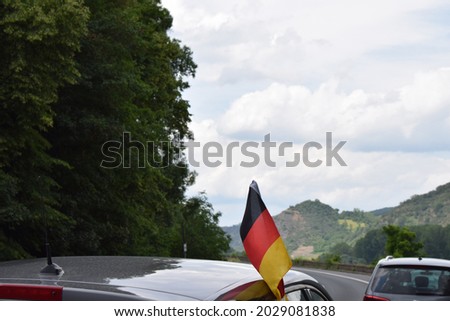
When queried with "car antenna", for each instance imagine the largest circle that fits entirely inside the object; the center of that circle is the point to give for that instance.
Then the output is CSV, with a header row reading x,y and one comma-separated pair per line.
x,y
51,270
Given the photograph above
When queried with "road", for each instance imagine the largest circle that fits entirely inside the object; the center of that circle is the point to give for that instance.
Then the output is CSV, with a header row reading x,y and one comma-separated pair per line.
x,y
341,286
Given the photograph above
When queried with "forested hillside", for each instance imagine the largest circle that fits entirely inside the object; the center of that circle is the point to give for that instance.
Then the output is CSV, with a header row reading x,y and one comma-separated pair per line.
x,y
91,116
429,208
312,229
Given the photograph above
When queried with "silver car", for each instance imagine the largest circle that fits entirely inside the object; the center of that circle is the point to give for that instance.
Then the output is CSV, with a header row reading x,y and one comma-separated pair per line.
x,y
146,278
405,279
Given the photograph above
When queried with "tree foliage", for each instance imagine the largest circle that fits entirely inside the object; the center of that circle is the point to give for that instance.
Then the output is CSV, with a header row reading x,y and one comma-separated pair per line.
x,y
401,242
78,75
200,230
435,238
420,240
371,247
39,42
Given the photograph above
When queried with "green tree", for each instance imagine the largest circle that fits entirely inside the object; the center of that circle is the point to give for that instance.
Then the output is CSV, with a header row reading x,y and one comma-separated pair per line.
x,y
400,241
342,248
129,92
77,77
436,239
371,247
39,41
201,232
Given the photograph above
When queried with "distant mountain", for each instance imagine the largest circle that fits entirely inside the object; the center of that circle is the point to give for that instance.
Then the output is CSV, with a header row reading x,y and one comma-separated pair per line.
x,y
429,208
382,211
312,227
233,231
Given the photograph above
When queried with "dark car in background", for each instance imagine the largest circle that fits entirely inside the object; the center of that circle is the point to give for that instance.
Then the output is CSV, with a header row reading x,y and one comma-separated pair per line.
x,y
405,279
146,278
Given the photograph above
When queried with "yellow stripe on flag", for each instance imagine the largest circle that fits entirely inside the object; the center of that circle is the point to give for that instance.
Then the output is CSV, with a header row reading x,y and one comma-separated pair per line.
x,y
274,265
257,291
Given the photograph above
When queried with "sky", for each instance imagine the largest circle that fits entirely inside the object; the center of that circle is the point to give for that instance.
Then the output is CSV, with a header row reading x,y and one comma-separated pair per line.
x,y
351,97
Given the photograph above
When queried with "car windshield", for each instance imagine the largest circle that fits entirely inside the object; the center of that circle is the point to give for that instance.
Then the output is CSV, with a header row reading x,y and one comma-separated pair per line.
x,y
414,280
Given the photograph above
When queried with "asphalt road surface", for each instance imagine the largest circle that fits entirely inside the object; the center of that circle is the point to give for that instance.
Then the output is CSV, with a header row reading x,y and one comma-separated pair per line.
x,y
341,286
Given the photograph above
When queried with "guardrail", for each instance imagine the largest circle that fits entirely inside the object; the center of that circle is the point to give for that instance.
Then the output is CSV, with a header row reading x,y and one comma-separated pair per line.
x,y
365,269
358,268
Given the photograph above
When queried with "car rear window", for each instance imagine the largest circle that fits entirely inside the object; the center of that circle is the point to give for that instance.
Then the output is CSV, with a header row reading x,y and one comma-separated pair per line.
x,y
415,280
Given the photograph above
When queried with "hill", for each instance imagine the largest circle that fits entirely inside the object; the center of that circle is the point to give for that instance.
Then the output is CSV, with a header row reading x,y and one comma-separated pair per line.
x,y
429,208
312,227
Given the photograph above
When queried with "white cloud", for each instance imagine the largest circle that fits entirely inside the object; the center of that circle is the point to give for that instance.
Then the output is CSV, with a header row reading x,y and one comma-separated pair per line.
x,y
407,118
387,150
298,41
373,73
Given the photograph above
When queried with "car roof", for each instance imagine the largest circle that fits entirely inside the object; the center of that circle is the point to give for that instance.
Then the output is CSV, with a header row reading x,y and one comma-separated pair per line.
x,y
389,261
147,277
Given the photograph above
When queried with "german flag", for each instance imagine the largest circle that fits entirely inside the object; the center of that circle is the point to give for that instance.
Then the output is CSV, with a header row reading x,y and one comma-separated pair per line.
x,y
263,243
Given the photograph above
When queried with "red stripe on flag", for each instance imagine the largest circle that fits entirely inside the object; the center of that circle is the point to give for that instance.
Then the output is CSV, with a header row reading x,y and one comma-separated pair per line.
x,y
260,237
